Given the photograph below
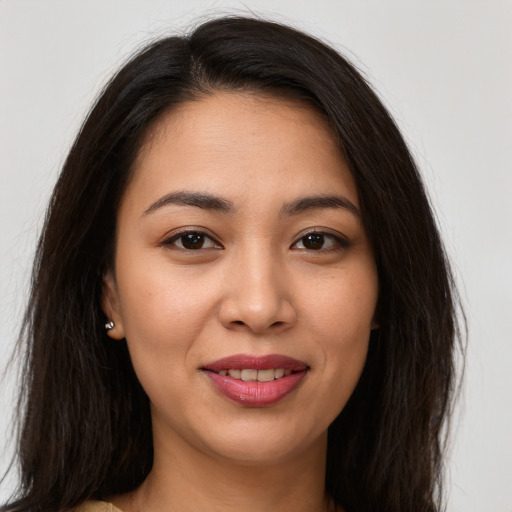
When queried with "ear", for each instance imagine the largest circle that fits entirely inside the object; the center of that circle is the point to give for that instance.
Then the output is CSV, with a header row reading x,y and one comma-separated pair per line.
x,y
110,305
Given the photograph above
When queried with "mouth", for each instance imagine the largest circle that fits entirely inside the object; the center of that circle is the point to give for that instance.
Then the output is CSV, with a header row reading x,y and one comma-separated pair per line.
x,y
255,381
253,375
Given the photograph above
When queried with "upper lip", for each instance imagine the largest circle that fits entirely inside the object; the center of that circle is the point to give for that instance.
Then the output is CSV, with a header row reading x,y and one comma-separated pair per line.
x,y
265,362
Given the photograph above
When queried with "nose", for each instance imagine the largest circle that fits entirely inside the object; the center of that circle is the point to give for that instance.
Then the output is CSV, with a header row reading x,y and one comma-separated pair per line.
x,y
257,295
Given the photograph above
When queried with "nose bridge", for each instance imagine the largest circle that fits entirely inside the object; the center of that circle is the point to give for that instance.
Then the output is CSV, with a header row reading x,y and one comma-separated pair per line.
x,y
256,294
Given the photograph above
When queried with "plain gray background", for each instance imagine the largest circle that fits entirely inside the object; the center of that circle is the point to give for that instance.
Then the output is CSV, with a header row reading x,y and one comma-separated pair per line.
x,y
443,67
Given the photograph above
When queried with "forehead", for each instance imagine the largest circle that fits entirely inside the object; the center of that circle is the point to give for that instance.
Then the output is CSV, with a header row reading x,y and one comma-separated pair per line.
x,y
240,143
226,117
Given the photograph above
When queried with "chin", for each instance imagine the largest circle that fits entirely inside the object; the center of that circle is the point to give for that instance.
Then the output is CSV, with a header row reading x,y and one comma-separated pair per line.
x,y
261,443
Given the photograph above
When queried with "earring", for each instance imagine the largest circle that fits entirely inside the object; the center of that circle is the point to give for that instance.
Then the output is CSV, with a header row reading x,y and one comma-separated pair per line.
x,y
109,326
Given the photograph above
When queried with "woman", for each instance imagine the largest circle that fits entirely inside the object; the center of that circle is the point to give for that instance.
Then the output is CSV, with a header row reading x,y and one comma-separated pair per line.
x,y
240,298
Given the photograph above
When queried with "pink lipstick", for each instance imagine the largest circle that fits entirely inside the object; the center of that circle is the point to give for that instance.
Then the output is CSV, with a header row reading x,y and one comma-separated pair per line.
x,y
255,381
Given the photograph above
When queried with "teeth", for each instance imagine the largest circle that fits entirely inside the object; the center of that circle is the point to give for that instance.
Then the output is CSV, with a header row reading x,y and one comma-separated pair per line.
x,y
235,374
266,375
250,375
278,373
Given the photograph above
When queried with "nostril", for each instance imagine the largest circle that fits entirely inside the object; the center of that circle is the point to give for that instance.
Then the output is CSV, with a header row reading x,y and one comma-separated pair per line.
x,y
275,324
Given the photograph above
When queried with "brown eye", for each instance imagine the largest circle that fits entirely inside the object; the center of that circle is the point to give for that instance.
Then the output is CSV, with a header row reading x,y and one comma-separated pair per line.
x,y
313,241
191,241
319,241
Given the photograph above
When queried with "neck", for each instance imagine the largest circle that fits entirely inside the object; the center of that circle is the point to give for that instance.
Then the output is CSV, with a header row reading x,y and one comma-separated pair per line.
x,y
184,478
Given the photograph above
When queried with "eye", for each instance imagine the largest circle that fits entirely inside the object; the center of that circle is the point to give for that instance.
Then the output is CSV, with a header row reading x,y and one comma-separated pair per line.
x,y
192,241
318,241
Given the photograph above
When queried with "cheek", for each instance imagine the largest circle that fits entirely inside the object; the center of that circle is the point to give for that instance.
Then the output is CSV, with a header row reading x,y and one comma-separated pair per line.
x,y
162,312
342,305
342,316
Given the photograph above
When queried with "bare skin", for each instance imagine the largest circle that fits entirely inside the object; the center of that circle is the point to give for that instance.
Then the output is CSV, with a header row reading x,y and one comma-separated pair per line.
x,y
275,261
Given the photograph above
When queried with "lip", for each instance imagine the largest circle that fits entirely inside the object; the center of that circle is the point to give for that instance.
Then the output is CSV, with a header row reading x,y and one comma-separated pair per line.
x,y
241,361
255,394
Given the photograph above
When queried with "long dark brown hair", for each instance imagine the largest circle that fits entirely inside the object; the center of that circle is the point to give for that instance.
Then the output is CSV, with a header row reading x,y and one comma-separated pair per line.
x,y
85,429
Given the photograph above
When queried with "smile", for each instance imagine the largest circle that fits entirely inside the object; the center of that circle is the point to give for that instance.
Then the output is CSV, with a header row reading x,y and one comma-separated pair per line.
x,y
255,381
252,375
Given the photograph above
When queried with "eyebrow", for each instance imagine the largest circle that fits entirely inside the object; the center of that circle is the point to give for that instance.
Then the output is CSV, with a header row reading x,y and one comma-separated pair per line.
x,y
319,202
219,204
203,201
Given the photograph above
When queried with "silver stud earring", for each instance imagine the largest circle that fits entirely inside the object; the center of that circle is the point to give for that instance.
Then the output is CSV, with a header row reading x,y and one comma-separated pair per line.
x,y
109,325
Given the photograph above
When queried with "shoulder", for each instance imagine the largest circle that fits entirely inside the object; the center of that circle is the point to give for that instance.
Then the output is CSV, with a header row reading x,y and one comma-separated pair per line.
x,y
95,506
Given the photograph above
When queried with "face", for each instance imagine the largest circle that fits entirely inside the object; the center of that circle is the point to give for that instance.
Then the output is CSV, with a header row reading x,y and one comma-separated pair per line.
x,y
244,282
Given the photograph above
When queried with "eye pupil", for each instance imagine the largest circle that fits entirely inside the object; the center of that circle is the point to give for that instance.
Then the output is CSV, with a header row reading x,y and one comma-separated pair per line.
x,y
313,241
192,240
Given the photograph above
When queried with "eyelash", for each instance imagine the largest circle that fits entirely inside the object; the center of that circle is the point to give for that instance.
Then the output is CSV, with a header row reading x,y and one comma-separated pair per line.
x,y
338,242
190,232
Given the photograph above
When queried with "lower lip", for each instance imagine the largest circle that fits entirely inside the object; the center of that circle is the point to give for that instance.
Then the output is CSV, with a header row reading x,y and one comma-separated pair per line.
x,y
255,394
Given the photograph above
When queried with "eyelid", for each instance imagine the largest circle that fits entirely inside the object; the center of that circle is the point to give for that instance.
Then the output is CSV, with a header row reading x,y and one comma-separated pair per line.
x,y
175,234
341,240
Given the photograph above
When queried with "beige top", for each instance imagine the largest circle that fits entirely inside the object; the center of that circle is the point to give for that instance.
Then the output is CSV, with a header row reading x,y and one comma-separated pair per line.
x,y
103,506
96,506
